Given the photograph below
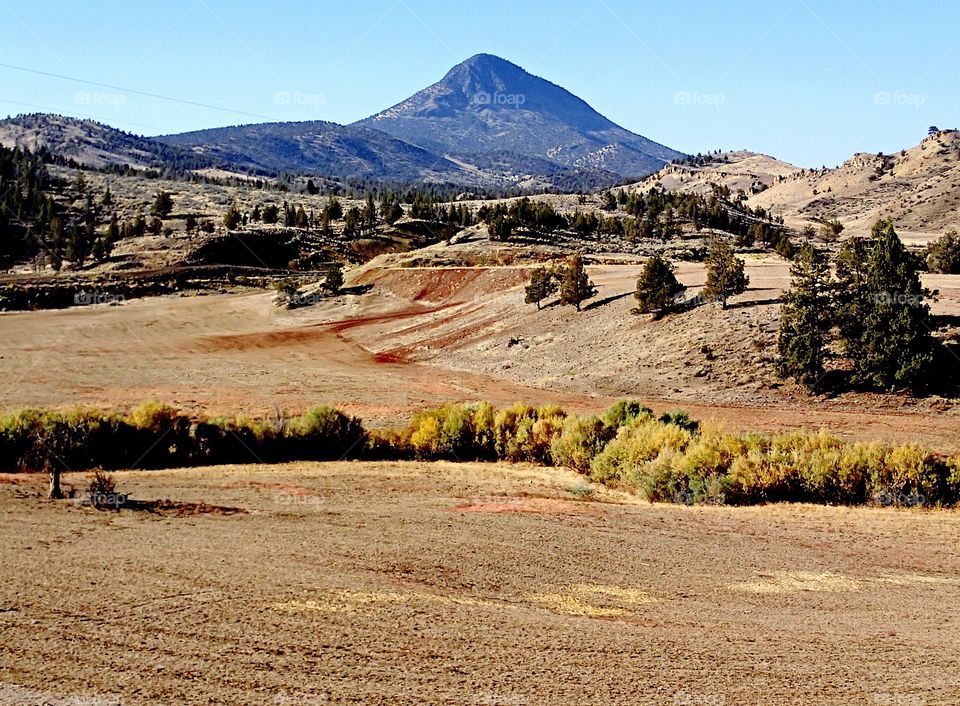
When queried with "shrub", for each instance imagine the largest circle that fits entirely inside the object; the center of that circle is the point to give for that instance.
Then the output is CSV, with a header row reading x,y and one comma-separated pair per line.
x,y
102,492
625,412
624,460
322,433
579,441
679,418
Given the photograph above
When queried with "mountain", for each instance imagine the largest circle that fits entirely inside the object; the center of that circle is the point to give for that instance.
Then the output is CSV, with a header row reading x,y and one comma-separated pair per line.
x,y
488,123
95,144
488,105
318,147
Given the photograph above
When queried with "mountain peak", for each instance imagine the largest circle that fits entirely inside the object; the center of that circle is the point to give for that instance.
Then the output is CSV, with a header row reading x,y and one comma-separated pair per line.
x,y
488,104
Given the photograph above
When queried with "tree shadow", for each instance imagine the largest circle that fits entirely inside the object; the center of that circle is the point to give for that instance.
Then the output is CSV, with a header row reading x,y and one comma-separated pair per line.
x,y
755,302
606,300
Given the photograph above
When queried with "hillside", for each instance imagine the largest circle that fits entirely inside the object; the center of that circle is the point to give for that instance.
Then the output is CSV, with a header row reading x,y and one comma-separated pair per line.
x,y
919,188
318,147
95,144
487,104
741,170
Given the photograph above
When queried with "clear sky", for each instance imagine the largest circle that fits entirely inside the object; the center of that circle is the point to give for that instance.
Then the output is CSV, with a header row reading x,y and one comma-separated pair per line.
x,y
809,81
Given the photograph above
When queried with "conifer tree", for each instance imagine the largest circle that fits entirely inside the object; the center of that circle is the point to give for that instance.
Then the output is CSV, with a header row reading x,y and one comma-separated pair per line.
x,y
543,283
725,275
657,287
576,287
806,319
896,346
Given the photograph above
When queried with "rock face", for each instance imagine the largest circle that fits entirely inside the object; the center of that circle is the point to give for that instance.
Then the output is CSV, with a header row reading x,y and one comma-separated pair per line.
x,y
488,106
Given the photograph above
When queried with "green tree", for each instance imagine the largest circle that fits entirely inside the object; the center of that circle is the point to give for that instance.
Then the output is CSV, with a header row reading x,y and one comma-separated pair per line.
x,y
543,283
576,287
851,297
232,217
657,286
806,318
369,214
334,279
162,205
895,347
725,275
943,255
351,222
333,209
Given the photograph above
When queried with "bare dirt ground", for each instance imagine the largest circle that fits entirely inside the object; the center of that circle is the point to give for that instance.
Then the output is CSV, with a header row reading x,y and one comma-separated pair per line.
x,y
409,583
423,336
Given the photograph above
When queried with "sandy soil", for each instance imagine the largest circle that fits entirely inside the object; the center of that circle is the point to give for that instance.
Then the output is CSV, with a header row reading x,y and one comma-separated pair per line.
x,y
466,584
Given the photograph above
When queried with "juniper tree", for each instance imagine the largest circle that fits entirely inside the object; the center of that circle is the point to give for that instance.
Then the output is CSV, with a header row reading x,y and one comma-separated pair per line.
x,y
543,283
895,347
576,287
943,255
334,279
657,287
725,275
162,205
851,295
806,318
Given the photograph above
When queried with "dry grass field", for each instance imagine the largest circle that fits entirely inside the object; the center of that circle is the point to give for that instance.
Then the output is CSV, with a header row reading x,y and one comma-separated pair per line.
x,y
407,583
423,336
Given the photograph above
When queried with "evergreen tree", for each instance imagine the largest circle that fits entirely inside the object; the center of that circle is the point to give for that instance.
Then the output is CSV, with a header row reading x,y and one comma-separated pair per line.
x,y
543,283
576,287
806,318
162,205
657,287
943,255
851,295
895,348
725,275
351,222
369,214
334,280
333,209
232,217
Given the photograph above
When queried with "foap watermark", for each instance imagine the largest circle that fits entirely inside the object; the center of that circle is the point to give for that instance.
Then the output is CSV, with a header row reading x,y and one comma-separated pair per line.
x,y
103,501
298,500
687,698
891,499
712,100
99,98
298,98
301,699
85,298
898,298
885,698
511,100
898,98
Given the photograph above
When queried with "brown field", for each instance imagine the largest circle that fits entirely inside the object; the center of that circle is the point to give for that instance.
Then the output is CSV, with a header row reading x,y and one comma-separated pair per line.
x,y
406,583
423,336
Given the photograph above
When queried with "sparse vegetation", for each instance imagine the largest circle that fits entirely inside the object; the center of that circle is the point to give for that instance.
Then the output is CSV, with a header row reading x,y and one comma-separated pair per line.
x,y
669,459
725,275
657,287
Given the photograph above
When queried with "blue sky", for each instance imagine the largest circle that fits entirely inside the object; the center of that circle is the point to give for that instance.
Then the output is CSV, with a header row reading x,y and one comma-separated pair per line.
x,y
808,81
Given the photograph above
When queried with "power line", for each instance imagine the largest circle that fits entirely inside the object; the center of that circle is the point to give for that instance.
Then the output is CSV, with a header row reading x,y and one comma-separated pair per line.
x,y
136,92
102,118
